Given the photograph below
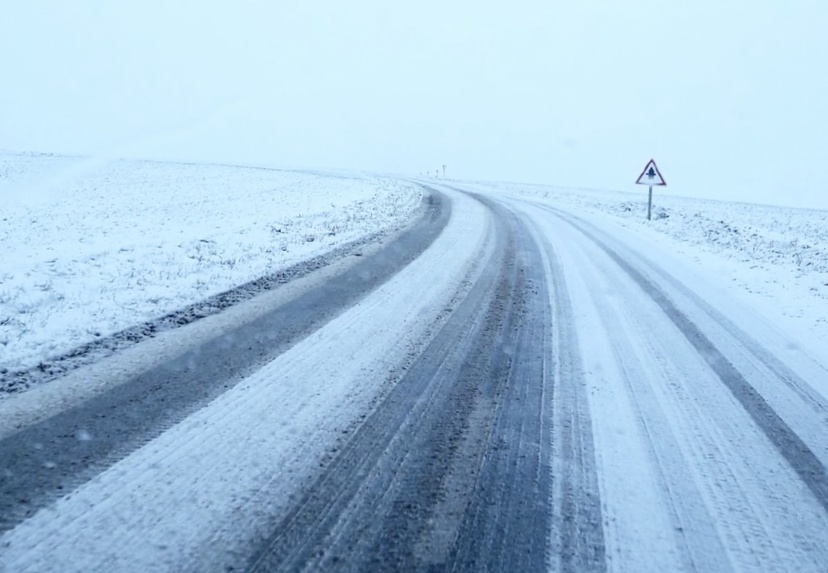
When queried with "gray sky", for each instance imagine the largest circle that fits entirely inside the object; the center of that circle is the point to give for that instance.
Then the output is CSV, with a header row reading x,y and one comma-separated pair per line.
x,y
729,96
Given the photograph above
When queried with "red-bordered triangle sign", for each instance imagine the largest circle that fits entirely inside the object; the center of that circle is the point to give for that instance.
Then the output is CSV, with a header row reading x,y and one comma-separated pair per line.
x,y
651,175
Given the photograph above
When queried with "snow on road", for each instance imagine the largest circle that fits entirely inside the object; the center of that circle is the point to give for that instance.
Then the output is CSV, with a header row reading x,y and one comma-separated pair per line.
x,y
192,498
774,259
697,347
702,448
91,248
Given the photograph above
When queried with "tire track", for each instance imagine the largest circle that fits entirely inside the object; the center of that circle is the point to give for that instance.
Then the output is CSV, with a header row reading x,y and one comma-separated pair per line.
x,y
577,537
771,362
696,538
45,460
507,520
476,457
368,508
805,463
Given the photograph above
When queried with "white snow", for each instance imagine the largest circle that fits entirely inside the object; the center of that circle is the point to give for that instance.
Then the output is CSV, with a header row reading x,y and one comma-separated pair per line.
x,y
105,246
773,259
191,498
688,479
89,248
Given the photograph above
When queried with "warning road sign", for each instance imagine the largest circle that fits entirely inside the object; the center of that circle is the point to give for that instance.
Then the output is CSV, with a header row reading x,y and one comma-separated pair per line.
x,y
651,175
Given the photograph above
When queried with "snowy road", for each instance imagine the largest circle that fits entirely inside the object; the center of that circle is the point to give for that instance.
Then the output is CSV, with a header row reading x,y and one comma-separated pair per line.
x,y
511,388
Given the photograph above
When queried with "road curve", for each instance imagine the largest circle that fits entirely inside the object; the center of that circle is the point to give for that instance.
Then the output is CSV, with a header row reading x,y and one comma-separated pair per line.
x,y
528,391
46,458
711,448
454,469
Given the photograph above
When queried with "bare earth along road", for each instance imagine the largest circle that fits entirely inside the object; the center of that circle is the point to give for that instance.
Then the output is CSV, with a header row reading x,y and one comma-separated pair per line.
x,y
502,386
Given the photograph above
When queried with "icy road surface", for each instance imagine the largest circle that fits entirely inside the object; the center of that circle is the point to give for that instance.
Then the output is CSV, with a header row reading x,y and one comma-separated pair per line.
x,y
505,385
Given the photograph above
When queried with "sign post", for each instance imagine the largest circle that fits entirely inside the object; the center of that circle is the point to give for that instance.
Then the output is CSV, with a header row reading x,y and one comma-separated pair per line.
x,y
650,176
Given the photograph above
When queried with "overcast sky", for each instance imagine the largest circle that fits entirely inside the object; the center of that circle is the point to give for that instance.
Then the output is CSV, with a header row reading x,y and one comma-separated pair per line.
x,y
729,96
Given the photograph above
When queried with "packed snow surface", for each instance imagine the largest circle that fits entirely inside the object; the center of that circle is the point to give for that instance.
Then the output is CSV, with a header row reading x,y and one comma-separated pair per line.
x,y
282,418
773,258
91,248
698,462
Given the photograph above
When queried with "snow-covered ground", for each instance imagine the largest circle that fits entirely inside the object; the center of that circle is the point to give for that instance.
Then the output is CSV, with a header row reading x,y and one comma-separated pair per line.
x,y
175,502
91,248
259,442
773,258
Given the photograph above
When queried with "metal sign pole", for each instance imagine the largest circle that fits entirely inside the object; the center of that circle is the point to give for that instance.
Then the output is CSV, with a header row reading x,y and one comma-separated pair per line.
x,y
650,205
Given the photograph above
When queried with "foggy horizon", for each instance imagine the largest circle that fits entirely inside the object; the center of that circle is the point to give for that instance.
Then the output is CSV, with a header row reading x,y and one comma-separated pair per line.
x,y
724,96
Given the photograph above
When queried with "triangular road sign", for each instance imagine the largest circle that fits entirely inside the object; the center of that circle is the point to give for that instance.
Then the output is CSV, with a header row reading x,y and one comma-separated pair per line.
x,y
651,175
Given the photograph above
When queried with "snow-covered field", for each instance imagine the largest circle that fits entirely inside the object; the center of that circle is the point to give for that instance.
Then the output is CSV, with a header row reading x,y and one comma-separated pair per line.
x,y
774,258
690,445
89,249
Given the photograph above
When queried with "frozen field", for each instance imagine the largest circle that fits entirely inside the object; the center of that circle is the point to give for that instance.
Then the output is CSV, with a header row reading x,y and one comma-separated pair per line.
x,y
661,384
90,249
